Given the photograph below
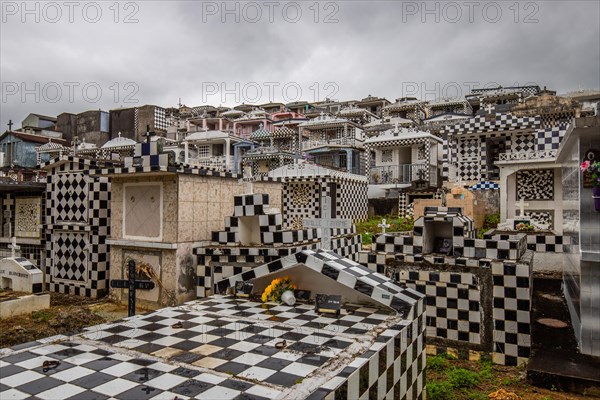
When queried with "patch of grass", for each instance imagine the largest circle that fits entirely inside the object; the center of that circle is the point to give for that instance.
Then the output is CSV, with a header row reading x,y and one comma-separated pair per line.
x,y
439,391
438,363
462,378
42,315
486,371
369,227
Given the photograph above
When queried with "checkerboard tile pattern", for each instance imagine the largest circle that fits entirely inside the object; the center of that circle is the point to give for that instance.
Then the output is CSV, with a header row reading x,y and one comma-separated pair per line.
x,y
227,257
225,348
465,143
549,243
511,312
535,184
86,371
463,227
550,138
453,303
348,194
77,223
391,369
462,307
344,271
485,185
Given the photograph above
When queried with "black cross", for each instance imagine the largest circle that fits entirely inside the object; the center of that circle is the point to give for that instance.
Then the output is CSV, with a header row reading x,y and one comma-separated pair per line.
x,y
149,134
132,285
10,124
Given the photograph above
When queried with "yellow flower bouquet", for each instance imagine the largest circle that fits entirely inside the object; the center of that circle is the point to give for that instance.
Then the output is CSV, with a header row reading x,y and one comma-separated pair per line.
x,y
276,288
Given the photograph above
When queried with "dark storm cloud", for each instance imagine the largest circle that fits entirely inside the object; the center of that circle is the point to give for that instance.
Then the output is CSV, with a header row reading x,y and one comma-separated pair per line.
x,y
185,50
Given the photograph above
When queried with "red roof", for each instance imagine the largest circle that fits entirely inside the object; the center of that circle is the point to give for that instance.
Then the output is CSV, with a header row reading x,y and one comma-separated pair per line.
x,y
28,137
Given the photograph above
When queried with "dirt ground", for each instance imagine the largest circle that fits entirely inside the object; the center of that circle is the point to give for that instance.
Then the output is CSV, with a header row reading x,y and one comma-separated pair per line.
x,y
67,315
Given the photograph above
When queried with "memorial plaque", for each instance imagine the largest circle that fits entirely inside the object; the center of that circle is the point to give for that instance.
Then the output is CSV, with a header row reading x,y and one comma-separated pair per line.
x,y
243,289
442,245
328,303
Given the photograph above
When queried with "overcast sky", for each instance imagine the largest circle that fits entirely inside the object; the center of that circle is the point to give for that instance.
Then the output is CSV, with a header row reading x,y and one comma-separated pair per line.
x,y
58,57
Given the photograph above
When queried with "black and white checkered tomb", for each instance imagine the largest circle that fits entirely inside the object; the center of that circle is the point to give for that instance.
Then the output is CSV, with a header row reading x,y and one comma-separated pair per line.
x,y
77,223
344,271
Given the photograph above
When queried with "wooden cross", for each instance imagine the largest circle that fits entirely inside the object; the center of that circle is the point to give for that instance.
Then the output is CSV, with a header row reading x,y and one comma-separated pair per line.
x,y
383,225
132,284
326,223
522,205
10,124
14,247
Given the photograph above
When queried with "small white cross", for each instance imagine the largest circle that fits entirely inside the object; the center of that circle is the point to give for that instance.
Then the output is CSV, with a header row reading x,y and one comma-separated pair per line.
x,y
14,247
383,225
489,108
522,205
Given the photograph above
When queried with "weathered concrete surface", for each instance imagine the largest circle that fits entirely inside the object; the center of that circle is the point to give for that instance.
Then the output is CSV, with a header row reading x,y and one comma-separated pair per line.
x,y
24,305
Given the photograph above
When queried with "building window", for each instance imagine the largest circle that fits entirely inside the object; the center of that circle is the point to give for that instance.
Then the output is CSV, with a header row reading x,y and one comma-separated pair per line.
x,y
204,151
387,156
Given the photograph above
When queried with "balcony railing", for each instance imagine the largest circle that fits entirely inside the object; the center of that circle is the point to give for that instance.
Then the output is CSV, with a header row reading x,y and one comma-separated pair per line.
x,y
310,144
397,174
528,155
218,162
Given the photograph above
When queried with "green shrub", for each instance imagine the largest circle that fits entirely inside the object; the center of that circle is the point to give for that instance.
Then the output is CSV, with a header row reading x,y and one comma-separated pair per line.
x,y
437,363
485,369
439,391
367,238
462,378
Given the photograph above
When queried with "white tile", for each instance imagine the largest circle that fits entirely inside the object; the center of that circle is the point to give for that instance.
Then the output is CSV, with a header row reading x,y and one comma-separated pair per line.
x,y
14,394
263,391
299,369
115,387
258,373
60,392
166,381
220,393
72,374
167,341
34,363
121,369
53,348
249,358
244,346
210,378
21,377
83,358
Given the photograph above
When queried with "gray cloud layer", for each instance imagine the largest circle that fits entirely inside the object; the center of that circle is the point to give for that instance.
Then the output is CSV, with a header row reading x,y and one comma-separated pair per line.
x,y
384,48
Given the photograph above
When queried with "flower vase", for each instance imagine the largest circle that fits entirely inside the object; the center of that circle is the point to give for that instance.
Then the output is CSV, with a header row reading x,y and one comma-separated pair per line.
x,y
596,197
288,298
